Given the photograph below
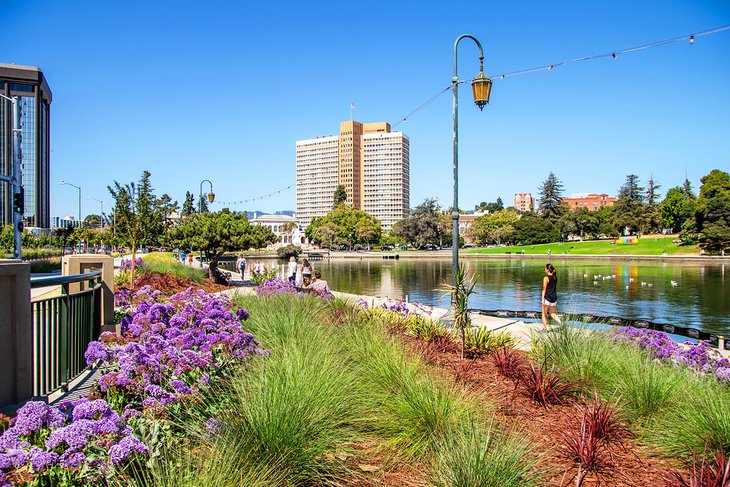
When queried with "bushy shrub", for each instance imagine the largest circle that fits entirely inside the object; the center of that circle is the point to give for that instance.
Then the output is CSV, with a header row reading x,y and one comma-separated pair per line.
x,y
288,251
481,339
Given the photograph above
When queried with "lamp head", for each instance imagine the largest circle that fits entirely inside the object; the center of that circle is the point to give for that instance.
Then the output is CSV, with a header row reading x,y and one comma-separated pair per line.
x,y
211,197
481,87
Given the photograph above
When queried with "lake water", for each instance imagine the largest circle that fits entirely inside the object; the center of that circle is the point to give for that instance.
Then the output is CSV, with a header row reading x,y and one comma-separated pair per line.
x,y
700,298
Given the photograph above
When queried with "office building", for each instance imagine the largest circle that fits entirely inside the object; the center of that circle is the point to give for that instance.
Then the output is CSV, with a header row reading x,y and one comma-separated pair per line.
x,y
30,85
592,201
370,161
524,202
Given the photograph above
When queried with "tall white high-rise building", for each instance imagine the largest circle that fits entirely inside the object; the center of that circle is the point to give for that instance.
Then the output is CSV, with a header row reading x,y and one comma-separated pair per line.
x,y
369,160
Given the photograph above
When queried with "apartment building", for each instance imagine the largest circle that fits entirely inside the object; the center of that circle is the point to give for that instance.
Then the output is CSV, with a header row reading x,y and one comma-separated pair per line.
x,y
524,202
591,201
370,161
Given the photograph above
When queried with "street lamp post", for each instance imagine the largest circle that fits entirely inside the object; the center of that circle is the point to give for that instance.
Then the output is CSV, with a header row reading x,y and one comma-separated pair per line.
x,y
15,179
211,198
77,187
481,87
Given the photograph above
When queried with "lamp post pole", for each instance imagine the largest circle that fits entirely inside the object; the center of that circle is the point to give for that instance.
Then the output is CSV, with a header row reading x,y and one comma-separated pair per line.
x,y
16,178
77,187
481,86
211,198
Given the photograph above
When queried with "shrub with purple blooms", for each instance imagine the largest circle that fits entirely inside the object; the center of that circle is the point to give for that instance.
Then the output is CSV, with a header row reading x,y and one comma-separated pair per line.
x,y
127,263
168,351
276,286
699,357
86,444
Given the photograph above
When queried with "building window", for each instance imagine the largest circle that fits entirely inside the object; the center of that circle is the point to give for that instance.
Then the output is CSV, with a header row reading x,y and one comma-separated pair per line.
x,y
20,87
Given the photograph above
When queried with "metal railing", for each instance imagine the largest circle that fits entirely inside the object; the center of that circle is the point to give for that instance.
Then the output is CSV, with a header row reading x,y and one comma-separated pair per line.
x,y
63,326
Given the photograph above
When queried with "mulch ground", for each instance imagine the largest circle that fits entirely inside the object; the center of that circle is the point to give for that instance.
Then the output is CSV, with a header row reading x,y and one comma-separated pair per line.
x,y
169,285
628,462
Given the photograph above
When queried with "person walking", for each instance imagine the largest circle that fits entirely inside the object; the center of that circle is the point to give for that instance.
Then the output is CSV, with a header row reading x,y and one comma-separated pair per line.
x,y
306,273
549,295
291,272
190,258
241,265
183,255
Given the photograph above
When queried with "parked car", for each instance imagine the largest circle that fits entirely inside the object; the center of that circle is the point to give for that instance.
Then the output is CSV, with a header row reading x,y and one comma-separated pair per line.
x,y
428,247
387,247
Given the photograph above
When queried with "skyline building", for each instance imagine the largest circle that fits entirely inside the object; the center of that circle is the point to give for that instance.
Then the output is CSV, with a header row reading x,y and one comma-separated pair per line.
x,y
524,202
370,161
31,86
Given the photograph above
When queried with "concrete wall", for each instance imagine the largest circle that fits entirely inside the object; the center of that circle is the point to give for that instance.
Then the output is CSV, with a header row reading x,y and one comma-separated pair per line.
x,y
83,263
16,343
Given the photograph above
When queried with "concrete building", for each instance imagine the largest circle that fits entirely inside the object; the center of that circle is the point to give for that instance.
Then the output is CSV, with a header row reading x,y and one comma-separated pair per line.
x,y
30,85
64,222
591,201
524,202
281,225
370,161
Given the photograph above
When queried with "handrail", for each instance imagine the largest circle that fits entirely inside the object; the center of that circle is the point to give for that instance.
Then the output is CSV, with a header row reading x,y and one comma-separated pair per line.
x,y
55,281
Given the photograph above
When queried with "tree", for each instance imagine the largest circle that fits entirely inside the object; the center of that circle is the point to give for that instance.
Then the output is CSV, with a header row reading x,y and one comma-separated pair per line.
x,y
629,208
126,219
340,196
533,229
551,195
92,221
675,209
344,225
164,207
494,228
652,213
149,221
490,207
217,233
713,210
188,207
586,221
423,226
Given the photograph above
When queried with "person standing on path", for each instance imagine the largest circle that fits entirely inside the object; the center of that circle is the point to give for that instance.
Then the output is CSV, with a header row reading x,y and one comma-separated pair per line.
x,y
190,258
241,265
183,256
291,272
549,295
306,273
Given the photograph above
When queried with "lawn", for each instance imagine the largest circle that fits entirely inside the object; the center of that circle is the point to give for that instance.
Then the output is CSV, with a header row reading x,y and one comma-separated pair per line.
x,y
648,245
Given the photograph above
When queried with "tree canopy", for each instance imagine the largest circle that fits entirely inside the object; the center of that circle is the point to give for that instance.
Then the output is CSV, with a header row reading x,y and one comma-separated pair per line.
x,y
344,225
217,233
551,197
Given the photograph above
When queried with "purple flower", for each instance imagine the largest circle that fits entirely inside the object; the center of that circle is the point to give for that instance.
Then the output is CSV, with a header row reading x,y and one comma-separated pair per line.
x,y
214,427
39,459
72,459
13,459
127,447
276,286
723,374
242,314
35,415
95,351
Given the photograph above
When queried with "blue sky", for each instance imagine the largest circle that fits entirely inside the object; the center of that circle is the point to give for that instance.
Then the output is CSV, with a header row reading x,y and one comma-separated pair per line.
x,y
222,90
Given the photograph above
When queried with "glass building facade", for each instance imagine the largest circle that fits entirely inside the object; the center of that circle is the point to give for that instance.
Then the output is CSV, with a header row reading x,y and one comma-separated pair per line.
x,y
29,84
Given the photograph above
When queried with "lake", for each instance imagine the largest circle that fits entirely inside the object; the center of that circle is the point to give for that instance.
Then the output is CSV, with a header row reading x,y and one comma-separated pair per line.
x,y
700,297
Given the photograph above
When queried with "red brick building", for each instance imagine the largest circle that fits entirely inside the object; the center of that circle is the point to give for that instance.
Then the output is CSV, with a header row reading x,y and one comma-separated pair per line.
x,y
591,201
524,202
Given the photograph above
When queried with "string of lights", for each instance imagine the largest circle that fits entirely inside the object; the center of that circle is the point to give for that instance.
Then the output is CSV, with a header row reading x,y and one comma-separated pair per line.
x,y
548,67
240,202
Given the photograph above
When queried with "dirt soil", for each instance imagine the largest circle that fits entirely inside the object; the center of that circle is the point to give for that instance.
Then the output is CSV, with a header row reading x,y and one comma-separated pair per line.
x,y
169,285
629,463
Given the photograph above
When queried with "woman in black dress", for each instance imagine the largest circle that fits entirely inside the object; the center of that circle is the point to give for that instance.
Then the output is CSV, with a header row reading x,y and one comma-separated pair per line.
x,y
549,295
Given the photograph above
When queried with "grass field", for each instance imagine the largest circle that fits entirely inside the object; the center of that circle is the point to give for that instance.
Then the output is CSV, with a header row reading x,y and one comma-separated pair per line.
x,y
647,245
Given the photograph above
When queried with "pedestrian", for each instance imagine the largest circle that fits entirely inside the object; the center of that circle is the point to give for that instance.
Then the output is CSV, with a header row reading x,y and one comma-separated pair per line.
x,y
549,295
183,255
299,276
190,258
306,273
241,265
291,271
257,267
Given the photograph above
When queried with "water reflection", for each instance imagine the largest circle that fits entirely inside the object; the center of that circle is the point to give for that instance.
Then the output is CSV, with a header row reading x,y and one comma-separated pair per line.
x,y
633,290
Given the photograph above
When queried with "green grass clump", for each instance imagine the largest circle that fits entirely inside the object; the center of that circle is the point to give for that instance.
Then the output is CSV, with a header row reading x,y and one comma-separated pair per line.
x,y
480,456
175,269
484,340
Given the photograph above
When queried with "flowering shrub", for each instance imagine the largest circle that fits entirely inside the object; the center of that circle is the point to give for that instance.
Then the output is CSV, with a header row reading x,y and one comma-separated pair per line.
x,y
84,446
276,286
167,352
401,307
700,357
127,263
